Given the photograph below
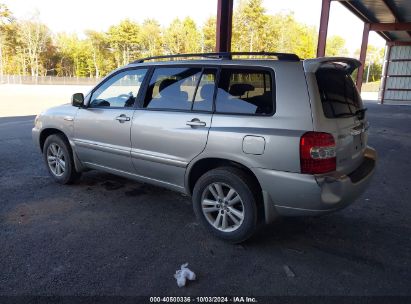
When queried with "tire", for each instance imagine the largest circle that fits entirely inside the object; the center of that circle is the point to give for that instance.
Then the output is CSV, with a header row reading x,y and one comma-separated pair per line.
x,y
208,204
63,171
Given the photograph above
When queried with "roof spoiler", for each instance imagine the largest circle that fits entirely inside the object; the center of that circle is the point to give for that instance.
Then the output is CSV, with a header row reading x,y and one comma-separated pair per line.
x,y
347,64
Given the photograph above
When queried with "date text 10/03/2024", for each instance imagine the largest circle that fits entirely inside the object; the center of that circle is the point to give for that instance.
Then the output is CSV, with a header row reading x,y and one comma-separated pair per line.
x,y
203,300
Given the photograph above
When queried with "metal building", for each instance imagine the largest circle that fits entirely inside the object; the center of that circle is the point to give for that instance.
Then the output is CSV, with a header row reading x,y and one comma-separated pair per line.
x,y
396,82
391,19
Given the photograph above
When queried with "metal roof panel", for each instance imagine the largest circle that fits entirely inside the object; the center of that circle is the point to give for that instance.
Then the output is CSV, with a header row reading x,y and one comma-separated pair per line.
x,y
382,11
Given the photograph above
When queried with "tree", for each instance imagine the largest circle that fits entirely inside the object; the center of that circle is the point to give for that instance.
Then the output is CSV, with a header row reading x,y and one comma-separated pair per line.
x,y
254,30
174,38
74,55
5,19
208,35
5,14
48,59
28,46
373,63
151,40
192,37
248,28
336,46
306,45
124,40
34,39
100,61
182,37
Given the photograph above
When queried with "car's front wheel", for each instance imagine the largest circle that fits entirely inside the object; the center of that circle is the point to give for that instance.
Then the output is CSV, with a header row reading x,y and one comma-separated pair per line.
x,y
225,201
59,159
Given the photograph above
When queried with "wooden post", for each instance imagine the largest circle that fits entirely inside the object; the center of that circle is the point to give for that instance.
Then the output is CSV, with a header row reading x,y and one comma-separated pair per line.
x,y
322,33
385,72
363,54
224,25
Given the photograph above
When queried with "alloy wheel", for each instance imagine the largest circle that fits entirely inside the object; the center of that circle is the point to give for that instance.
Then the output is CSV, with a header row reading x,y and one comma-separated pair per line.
x,y
56,160
222,207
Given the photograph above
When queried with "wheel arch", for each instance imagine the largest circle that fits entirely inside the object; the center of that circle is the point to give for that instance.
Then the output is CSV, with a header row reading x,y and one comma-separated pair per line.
x,y
44,134
47,132
201,166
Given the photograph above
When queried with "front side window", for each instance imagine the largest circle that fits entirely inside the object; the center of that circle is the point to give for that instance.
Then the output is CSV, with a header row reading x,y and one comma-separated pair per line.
x,y
120,91
245,91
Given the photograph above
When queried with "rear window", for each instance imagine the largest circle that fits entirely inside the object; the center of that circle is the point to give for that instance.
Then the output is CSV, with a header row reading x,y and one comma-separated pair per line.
x,y
339,96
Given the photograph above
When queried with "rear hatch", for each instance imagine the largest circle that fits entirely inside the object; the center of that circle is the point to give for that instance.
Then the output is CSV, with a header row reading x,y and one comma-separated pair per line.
x,y
337,108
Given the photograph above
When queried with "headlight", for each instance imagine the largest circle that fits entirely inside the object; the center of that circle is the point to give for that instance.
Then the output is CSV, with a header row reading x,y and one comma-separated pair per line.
x,y
37,122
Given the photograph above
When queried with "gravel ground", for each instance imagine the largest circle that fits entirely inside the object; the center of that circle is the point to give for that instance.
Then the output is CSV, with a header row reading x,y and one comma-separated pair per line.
x,y
110,236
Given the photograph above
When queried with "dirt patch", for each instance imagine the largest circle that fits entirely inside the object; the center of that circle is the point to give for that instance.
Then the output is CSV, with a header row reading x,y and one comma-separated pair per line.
x,y
26,213
136,192
112,185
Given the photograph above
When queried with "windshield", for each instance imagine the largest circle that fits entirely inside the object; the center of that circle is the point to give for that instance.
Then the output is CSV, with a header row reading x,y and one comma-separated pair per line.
x,y
339,96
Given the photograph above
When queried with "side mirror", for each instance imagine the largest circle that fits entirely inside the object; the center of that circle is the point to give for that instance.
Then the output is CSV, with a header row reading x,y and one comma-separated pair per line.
x,y
77,100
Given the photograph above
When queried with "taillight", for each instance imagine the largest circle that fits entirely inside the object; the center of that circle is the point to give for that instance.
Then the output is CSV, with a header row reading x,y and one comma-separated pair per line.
x,y
317,153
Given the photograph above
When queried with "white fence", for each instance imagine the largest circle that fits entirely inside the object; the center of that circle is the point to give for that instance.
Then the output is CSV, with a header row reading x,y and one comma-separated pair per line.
x,y
49,80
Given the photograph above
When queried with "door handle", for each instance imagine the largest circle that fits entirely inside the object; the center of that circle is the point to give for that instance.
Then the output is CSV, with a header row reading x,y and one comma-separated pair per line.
x,y
122,118
195,122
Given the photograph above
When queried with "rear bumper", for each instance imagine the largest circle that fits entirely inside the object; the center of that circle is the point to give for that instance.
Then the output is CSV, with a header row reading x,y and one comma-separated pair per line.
x,y
295,194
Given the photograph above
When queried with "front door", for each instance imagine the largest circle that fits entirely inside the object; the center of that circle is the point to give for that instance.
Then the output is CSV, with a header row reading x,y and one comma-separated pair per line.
x,y
102,129
172,126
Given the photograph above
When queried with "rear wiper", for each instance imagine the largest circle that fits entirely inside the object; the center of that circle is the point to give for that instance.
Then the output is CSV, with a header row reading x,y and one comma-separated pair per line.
x,y
344,115
359,113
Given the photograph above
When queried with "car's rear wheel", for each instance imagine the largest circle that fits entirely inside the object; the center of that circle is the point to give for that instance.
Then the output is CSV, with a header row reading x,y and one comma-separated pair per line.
x,y
59,159
225,201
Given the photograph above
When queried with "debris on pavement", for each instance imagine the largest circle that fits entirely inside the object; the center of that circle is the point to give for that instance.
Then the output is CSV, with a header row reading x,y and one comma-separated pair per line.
x,y
183,274
240,247
295,250
192,225
288,271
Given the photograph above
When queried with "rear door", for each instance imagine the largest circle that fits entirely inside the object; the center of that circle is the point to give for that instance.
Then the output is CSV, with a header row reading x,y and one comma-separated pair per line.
x,y
172,125
340,111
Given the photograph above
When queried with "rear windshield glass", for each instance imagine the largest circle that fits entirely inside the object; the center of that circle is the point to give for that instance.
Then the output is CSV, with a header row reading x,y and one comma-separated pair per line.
x,y
339,95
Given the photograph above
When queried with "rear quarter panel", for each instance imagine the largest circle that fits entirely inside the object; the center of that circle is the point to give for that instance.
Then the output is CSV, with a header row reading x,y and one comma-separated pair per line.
x,y
281,131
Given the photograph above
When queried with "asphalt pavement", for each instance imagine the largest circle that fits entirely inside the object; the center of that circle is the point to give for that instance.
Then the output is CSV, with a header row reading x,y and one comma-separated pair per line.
x,y
107,235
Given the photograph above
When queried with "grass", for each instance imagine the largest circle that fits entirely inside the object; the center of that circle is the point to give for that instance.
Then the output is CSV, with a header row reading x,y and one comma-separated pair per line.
x,y
371,86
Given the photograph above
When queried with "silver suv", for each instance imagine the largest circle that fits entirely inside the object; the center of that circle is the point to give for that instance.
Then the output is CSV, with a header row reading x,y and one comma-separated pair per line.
x,y
248,140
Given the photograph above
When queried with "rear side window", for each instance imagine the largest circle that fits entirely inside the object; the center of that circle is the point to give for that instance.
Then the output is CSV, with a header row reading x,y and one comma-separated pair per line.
x,y
245,91
181,88
172,88
339,96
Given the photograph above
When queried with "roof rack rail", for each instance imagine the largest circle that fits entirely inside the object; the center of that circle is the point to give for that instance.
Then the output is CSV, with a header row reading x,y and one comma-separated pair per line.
x,y
223,55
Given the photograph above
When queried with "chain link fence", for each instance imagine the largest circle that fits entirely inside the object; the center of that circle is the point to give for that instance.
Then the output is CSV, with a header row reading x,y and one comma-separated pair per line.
x,y
47,80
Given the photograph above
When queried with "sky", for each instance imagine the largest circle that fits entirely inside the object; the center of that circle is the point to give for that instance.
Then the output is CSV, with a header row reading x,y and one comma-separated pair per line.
x,y
75,16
